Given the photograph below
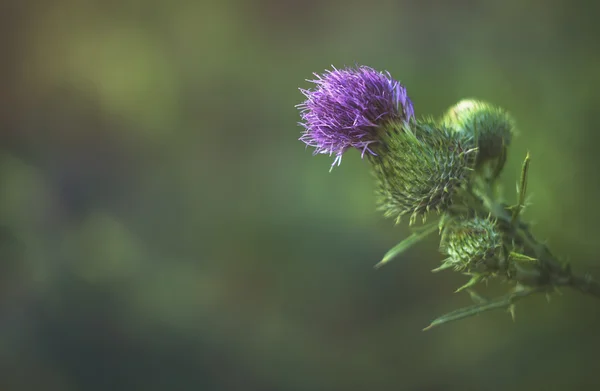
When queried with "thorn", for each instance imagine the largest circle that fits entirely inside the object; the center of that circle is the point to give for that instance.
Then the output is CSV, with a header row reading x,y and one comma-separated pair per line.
x,y
444,266
511,309
521,188
474,280
514,256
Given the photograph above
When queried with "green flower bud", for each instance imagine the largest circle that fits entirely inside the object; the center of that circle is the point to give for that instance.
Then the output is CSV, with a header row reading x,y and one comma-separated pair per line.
x,y
491,127
419,167
473,245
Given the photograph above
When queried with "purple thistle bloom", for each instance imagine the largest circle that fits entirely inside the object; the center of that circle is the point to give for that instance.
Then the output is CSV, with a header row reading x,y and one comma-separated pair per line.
x,y
346,108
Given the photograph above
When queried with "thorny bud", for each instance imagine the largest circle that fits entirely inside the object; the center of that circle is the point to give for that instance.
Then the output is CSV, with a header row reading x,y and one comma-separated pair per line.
x,y
419,167
491,127
473,245
348,107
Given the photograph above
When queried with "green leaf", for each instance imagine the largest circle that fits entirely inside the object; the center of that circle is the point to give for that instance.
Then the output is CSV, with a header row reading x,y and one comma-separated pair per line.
x,y
503,302
404,245
520,257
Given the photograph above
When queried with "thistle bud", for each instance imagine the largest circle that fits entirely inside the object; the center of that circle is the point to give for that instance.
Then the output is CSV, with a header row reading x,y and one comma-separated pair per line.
x,y
419,167
473,245
491,128
348,107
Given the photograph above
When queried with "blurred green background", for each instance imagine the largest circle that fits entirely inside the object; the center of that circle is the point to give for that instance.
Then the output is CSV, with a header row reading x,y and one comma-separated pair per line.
x,y
161,228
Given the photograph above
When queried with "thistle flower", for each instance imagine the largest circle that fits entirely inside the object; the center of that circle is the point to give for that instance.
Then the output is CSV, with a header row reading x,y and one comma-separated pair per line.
x,y
491,127
347,108
473,245
421,169
448,166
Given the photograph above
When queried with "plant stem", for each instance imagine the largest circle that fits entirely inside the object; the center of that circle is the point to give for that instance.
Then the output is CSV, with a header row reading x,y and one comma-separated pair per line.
x,y
585,285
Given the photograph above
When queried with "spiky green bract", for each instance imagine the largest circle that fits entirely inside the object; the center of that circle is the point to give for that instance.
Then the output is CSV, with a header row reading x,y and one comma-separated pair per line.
x,y
491,127
419,166
473,245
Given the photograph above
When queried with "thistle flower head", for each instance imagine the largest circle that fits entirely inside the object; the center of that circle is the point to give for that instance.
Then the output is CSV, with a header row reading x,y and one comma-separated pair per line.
x,y
491,127
422,167
347,108
473,245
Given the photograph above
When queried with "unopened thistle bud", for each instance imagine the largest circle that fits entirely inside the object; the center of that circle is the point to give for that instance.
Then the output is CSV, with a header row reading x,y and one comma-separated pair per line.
x,y
473,245
419,167
348,107
491,128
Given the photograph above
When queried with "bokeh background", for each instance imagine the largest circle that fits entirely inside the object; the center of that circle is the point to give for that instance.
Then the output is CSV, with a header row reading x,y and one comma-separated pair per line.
x,y
161,228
